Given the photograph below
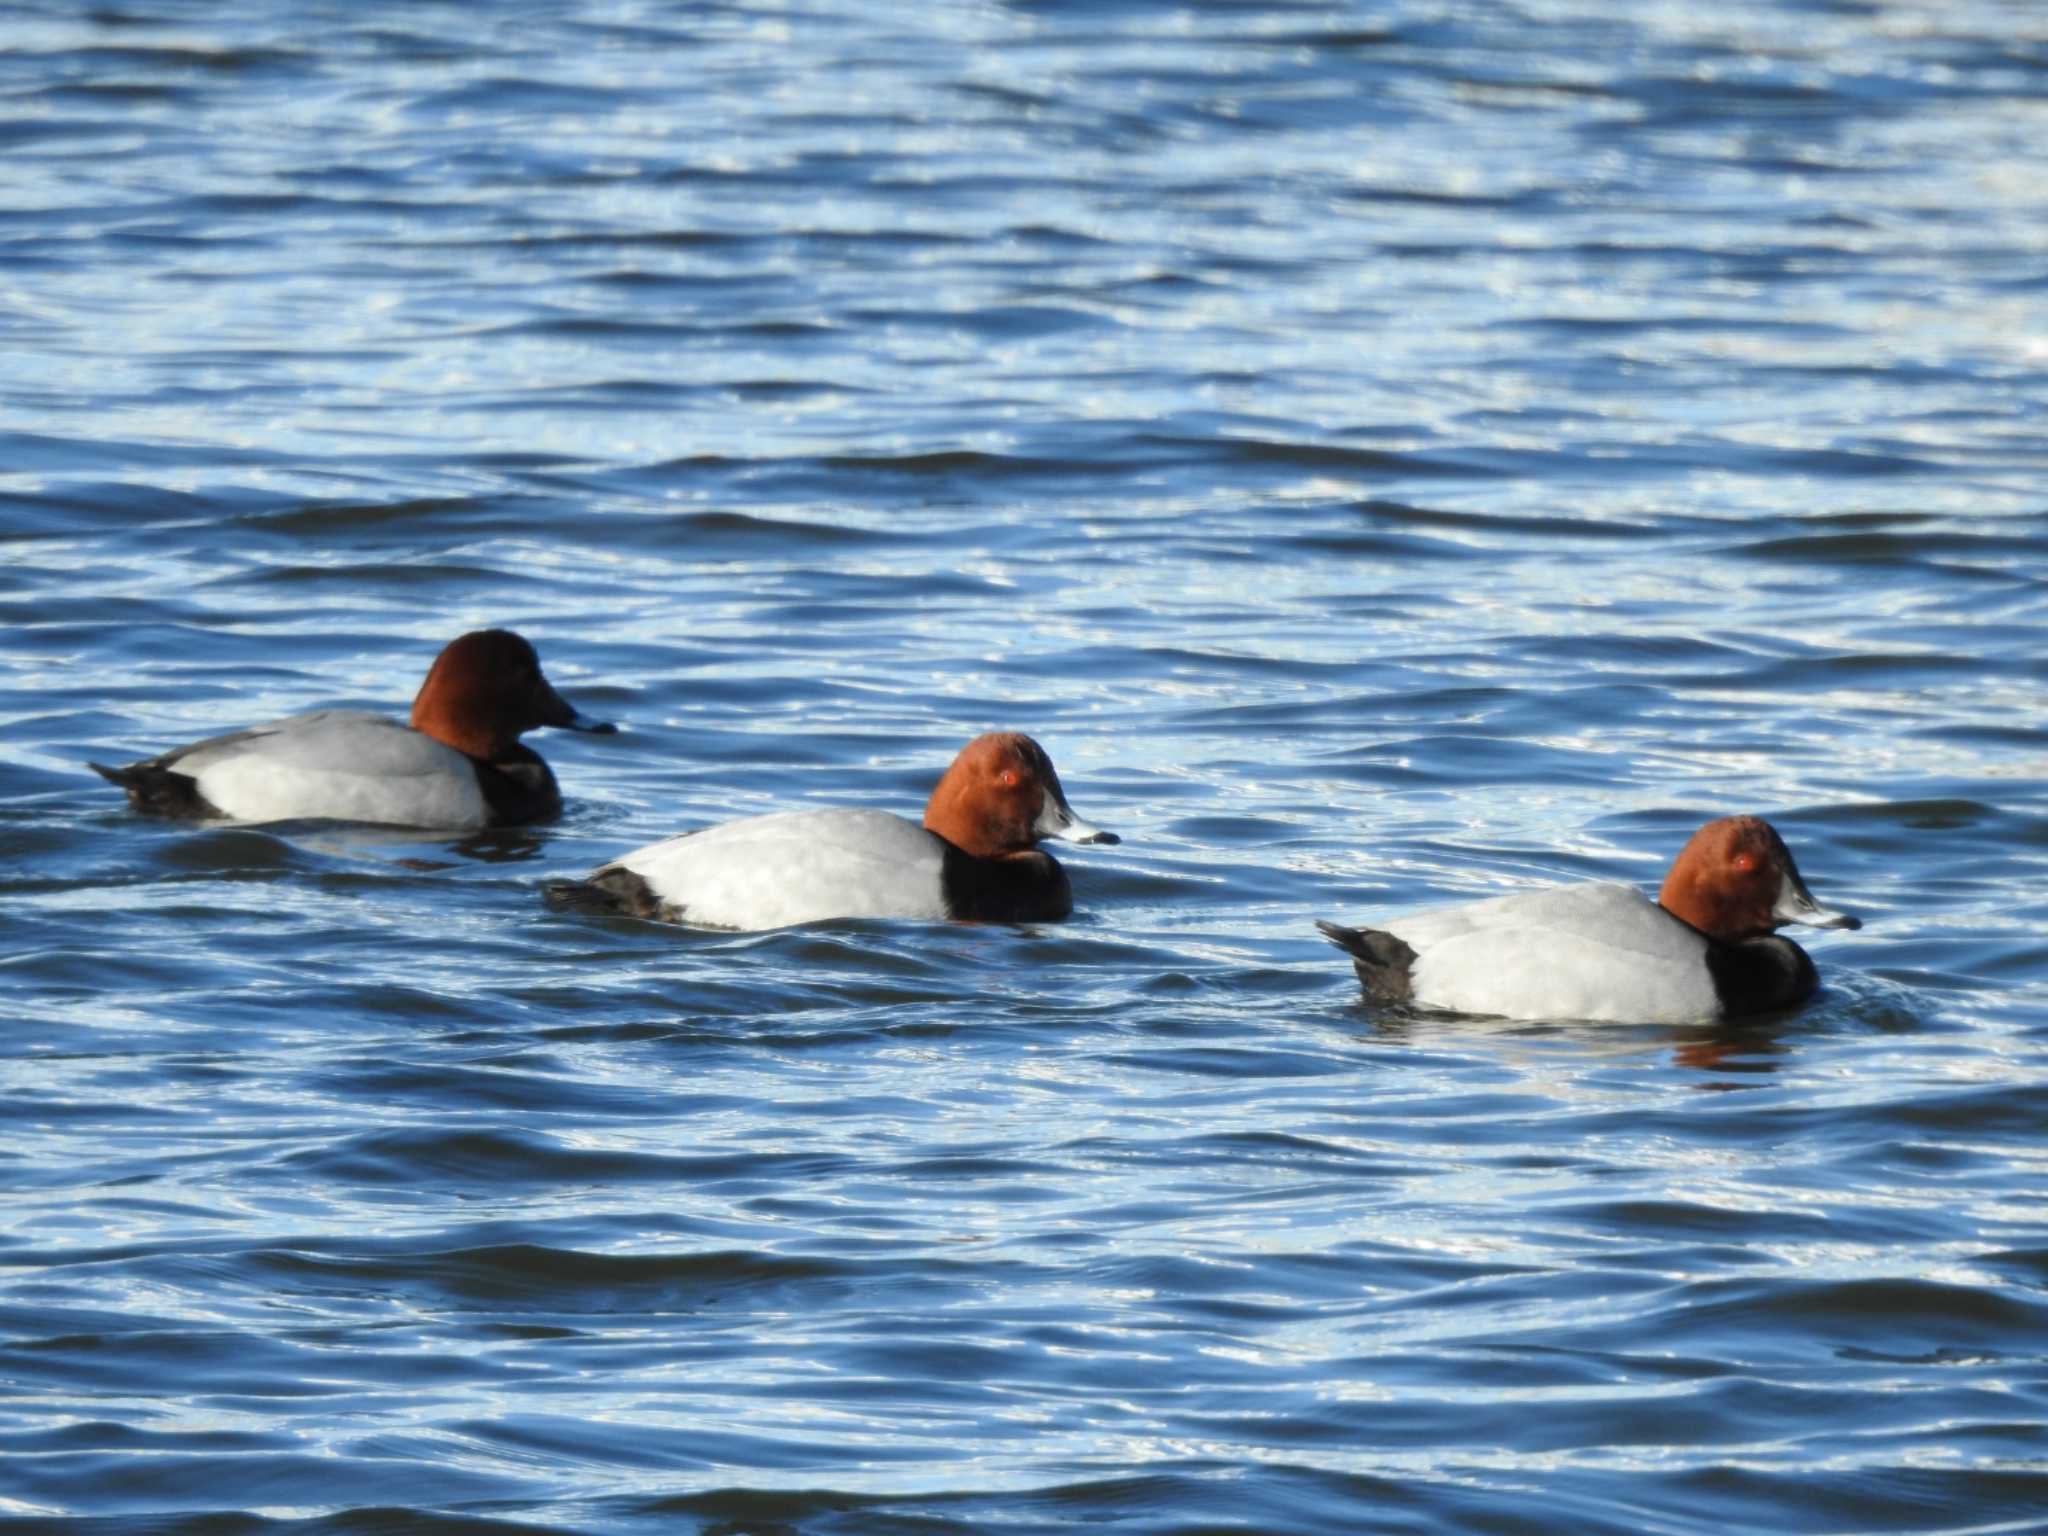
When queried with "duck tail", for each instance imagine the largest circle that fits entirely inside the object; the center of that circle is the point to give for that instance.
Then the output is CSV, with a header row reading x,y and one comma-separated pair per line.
x,y
1385,964
158,790
614,890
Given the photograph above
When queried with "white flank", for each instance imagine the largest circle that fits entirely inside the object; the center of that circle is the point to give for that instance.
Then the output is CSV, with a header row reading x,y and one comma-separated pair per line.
x,y
796,867
340,764
1600,951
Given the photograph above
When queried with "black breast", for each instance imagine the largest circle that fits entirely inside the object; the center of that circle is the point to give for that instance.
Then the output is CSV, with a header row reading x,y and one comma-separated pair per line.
x,y
519,788
1760,975
1023,888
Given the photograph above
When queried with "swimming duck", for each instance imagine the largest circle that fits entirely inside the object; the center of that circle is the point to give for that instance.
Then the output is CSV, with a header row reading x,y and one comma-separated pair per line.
x,y
1705,949
459,764
975,858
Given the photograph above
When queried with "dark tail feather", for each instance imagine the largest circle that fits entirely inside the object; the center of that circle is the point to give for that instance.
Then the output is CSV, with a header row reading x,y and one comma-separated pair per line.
x,y
614,891
1383,962
578,896
158,790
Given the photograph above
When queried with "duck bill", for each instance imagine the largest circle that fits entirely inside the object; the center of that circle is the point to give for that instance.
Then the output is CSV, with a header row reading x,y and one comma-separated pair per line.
x,y
1056,818
1795,904
552,709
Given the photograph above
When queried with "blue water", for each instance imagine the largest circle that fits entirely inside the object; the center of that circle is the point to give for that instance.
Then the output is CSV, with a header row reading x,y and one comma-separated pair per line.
x,y
1387,453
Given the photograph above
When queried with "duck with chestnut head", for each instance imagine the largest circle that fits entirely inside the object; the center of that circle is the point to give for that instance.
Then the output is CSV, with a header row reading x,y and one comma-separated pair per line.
x,y
1707,948
976,857
457,763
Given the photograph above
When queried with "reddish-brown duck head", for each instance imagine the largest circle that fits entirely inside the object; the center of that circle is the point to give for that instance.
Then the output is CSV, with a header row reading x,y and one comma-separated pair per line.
x,y
1001,796
1736,880
485,690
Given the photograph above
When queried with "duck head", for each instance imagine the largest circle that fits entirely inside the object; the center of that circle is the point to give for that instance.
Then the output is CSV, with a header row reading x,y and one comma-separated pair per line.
x,y
485,690
1001,797
1735,880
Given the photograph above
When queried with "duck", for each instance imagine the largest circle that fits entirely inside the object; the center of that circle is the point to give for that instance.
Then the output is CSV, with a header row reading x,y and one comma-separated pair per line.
x,y
975,857
1706,949
458,763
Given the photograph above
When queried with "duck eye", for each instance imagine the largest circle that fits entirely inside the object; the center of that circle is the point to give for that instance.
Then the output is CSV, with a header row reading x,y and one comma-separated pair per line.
x,y
1007,778
1745,862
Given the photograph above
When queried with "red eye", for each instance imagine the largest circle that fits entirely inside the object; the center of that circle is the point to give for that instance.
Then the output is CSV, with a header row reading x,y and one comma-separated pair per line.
x,y
1007,778
1746,862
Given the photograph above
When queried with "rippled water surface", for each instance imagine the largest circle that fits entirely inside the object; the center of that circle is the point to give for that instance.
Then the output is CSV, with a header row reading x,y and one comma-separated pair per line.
x,y
1387,453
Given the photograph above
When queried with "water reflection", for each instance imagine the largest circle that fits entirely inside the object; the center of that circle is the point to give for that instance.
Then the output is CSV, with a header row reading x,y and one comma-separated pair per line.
x,y
1750,1049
